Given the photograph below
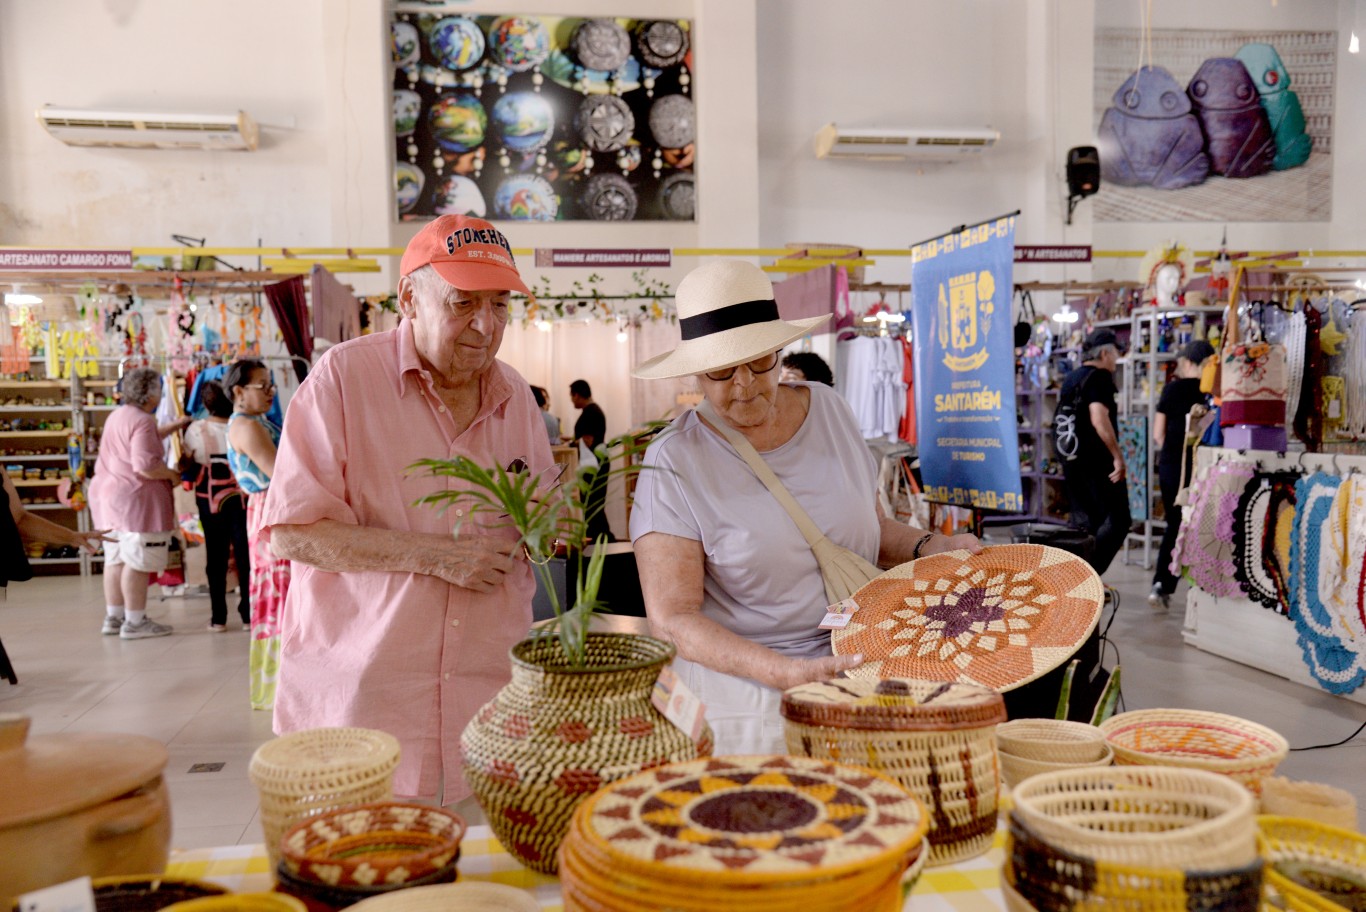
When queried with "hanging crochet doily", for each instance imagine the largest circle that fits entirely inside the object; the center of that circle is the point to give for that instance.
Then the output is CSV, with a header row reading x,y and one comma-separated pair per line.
x,y
1208,551
1249,532
1344,553
1191,493
1280,531
1323,638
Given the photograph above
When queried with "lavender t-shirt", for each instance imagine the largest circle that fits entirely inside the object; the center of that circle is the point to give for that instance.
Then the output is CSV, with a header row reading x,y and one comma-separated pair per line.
x,y
762,581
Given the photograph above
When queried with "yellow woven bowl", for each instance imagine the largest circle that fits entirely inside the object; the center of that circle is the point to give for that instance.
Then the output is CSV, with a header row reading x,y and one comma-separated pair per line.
x,y
1052,740
1304,853
241,902
470,896
1233,747
1015,770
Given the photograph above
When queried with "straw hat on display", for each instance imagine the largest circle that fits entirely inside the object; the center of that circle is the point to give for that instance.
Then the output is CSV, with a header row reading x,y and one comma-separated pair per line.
x,y
727,316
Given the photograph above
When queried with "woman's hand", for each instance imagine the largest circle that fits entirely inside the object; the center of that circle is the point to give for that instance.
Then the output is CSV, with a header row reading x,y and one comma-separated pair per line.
x,y
941,543
90,541
791,672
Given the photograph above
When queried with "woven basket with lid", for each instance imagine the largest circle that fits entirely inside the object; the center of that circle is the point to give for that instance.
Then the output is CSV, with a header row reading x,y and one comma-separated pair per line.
x,y
936,739
306,773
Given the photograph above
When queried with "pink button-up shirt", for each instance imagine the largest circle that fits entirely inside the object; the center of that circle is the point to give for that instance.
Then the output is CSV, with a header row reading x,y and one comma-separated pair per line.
x,y
405,653
120,498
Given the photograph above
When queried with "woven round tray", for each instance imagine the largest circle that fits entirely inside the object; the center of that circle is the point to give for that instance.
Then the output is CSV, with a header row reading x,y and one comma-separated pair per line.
x,y
1151,817
306,773
1052,879
1000,618
471,896
1015,770
1233,747
241,902
1051,740
1315,801
745,821
388,842
1314,867
934,738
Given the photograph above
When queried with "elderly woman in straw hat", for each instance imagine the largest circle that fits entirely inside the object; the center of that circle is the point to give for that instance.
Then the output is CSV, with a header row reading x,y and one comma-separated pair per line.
x,y
727,576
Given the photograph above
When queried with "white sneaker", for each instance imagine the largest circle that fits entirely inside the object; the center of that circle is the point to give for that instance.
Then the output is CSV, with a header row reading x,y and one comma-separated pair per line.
x,y
1159,599
148,628
112,625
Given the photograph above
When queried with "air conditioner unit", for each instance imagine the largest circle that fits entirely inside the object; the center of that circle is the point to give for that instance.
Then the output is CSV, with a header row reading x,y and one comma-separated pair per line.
x,y
140,130
900,144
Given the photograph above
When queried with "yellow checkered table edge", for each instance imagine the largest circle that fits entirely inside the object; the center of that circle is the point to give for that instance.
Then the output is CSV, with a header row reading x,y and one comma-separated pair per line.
x,y
972,885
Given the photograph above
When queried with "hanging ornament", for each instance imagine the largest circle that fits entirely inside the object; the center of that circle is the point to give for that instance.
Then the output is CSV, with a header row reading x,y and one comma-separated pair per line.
x,y
457,42
604,122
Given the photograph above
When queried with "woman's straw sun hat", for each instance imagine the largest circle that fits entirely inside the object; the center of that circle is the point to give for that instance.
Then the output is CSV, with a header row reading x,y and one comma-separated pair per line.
x,y
727,316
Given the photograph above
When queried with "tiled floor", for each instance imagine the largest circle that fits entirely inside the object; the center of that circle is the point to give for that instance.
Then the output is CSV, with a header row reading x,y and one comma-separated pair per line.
x,y
189,690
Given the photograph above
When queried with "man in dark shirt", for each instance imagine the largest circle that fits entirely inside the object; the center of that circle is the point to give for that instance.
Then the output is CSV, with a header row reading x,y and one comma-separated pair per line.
x,y
1094,481
1169,433
591,430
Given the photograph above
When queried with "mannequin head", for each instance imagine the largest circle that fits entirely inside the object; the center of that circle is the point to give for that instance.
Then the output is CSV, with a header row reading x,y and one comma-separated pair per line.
x,y
1166,283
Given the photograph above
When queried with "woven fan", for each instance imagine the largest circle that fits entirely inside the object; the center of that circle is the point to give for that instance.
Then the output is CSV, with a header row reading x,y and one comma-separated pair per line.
x,y
1000,618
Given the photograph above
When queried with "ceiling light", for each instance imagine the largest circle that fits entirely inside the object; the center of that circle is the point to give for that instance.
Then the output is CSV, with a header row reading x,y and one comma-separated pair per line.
x,y
20,298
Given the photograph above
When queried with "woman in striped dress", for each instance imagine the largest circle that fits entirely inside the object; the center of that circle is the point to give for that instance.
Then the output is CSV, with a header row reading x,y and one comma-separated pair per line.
x,y
252,440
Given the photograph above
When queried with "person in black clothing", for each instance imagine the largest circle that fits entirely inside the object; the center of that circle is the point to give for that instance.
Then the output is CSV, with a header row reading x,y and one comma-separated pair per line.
x,y
591,430
1095,480
1169,431
222,507
807,366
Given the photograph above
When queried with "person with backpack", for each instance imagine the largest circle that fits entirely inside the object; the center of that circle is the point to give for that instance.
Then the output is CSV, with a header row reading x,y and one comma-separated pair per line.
x,y
1087,443
222,507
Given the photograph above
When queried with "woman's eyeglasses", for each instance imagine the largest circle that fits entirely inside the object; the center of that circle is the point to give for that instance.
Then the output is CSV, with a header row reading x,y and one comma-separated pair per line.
x,y
757,366
258,386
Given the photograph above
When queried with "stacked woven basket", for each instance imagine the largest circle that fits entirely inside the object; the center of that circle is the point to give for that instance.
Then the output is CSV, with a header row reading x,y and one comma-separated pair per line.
x,y
764,834
1027,747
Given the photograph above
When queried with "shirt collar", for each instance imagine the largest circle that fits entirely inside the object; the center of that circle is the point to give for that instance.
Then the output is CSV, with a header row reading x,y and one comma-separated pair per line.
x,y
494,387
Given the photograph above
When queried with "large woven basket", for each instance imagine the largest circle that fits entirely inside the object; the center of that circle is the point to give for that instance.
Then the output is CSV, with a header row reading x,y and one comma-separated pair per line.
x,y
388,842
1050,879
1051,740
762,834
936,739
309,772
1151,817
1313,867
1228,745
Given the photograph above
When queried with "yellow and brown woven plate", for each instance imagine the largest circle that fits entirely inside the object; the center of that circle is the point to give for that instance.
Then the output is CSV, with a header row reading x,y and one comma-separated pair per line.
x,y
1000,618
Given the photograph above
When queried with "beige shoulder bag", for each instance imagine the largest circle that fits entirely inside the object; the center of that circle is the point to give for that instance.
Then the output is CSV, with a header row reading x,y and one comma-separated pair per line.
x,y
843,570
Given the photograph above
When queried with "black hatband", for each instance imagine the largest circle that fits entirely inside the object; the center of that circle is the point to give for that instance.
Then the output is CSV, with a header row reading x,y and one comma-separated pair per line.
x,y
729,317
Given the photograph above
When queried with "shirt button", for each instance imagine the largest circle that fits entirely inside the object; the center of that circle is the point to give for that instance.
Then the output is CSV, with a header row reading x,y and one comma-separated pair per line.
x,y
442,410
455,623
446,676
459,512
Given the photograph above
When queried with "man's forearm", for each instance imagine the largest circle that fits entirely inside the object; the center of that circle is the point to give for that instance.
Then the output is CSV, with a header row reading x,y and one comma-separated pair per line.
x,y
342,547
1106,433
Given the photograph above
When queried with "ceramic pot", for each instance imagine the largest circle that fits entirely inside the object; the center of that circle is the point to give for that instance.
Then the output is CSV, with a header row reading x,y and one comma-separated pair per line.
x,y
76,805
556,734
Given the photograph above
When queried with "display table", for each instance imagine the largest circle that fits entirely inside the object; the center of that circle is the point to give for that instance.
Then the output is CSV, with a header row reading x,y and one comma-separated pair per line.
x,y
969,886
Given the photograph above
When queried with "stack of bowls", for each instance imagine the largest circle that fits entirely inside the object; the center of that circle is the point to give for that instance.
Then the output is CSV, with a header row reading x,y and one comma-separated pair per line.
x,y
1027,747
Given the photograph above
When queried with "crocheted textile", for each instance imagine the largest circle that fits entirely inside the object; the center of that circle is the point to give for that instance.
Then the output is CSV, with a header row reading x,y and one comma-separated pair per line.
x,y
1280,531
1308,422
1249,532
1000,618
1207,547
1327,644
1254,384
1344,556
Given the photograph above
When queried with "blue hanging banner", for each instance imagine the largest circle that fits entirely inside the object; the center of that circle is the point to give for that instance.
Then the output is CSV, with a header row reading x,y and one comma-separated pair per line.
x,y
961,287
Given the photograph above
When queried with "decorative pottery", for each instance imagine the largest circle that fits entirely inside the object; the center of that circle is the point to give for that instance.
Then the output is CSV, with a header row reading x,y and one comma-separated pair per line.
x,y
556,734
75,805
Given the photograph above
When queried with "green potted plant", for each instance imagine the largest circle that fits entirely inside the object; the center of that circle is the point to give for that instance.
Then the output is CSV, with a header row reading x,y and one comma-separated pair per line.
x,y
577,713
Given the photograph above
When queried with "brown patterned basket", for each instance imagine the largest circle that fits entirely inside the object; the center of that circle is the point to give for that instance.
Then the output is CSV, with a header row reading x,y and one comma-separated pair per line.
x,y
1015,770
556,734
933,738
1051,740
1234,747
762,834
310,772
148,892
371,844
1151,817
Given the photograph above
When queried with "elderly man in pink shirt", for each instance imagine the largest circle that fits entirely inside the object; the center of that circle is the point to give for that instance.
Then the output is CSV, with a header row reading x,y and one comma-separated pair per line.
x,y
400,617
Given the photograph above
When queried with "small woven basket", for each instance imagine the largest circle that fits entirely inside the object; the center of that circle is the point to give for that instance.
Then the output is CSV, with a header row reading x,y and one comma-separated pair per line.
x,y
935,739
1233,747
389,842
148,893
1052,879
1151,817
1015,770
309,772
1313,867
1051,740
241,902
1315,801
316,894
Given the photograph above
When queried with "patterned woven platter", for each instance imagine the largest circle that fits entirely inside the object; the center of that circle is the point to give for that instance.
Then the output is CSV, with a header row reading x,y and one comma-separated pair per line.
x,y
1000,618
749,820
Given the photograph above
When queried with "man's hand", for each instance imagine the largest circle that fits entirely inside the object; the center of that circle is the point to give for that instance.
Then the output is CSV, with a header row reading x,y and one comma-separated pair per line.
x,y
475,562
941,543
791,671
1118,474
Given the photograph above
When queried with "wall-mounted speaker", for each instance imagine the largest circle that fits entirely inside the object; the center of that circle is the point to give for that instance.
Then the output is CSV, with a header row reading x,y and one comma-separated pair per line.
x,y
1083,171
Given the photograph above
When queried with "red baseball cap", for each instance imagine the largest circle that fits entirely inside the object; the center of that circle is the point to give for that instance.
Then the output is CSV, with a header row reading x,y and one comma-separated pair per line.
x,y
469,253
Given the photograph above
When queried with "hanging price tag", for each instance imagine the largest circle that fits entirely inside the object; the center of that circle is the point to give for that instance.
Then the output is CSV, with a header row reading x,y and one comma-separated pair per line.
x,y
678,704
837,616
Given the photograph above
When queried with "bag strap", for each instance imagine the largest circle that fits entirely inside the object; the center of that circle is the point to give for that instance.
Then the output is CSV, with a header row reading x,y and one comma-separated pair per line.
x,y
756,462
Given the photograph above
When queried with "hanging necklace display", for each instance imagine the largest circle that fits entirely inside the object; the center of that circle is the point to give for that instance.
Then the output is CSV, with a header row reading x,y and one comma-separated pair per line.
x,y
1354,417
1335,665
